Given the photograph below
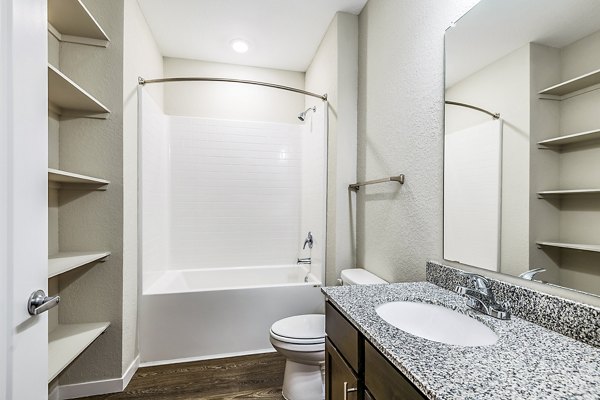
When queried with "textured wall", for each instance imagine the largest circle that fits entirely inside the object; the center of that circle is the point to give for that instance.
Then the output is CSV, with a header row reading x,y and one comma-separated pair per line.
x,y
400,130
94,221
230,100
141,57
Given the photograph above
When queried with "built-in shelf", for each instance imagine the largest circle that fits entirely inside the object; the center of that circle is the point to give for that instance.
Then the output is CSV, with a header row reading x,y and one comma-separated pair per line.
x,y
573,85
572,246
65,261
66,342
580,137
70,21
63,179
567,192
65,97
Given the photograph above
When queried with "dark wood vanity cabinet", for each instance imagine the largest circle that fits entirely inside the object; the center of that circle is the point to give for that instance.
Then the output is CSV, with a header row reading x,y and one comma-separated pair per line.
x,y
355,369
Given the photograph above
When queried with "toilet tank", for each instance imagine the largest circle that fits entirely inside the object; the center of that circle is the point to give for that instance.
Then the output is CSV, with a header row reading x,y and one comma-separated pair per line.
x,y
359,276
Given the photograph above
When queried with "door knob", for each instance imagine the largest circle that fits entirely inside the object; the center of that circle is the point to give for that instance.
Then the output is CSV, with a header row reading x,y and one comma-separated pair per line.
x,y
39,302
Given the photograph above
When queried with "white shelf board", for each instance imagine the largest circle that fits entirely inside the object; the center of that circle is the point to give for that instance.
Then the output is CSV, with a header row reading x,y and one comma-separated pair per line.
x,y
567,192
58,176
66,342
65,97
65,261
572,246
573,85
70,21
571,139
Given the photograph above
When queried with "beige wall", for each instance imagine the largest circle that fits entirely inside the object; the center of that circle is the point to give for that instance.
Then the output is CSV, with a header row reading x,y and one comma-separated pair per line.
x,y
400,130
334,70
94,220
503,86
141,57
231,100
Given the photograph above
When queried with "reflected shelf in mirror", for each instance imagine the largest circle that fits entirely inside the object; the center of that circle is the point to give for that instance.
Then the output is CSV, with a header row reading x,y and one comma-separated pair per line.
x,y
571,246
560,141
585,81
546,193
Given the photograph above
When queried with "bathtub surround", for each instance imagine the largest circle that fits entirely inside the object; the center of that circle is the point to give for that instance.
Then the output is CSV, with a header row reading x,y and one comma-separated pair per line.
x,y
567,317
563,367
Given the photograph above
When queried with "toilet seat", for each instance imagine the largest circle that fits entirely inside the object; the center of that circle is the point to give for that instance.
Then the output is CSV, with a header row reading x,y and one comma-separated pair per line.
x,y
300,329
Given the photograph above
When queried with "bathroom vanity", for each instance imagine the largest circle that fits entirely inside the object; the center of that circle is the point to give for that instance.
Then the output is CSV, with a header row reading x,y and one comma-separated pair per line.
x,y
367,358
355,369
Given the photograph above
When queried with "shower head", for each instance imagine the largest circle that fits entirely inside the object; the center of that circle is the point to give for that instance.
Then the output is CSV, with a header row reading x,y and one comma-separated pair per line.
x,y
302,115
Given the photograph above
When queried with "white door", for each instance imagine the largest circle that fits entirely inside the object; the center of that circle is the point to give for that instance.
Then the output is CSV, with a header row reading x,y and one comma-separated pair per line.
x,y
23,198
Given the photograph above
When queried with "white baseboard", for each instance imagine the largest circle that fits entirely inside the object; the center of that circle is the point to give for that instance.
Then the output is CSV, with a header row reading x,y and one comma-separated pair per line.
x,y
209,357
85,389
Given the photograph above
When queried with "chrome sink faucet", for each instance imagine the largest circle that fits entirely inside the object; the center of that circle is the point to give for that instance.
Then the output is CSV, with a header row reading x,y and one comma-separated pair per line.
x,y
482,298
529,275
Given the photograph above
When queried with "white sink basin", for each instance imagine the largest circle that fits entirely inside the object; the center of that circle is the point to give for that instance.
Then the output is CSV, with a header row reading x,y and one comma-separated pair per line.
x,y
436,323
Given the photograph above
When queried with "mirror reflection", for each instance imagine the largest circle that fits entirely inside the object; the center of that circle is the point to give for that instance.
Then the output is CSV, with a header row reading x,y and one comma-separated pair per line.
x,y
522,141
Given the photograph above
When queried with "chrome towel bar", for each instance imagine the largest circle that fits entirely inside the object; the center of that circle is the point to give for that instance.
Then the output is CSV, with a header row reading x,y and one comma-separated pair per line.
x,y
399,179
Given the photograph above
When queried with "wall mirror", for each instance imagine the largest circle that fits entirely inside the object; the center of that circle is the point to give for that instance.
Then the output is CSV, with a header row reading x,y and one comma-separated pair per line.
x,y
522,190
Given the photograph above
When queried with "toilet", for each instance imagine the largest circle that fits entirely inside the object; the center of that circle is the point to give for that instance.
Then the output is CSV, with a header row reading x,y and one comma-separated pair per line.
x,y
301,340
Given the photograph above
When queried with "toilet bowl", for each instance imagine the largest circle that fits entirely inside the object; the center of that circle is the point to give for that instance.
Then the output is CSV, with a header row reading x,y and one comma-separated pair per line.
x,y
301,340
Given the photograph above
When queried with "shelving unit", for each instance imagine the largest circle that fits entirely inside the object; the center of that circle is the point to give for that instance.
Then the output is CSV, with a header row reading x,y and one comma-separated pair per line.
x,y
574,138
66,342
573,85
65,97
567,192
572,246
66,261
70,21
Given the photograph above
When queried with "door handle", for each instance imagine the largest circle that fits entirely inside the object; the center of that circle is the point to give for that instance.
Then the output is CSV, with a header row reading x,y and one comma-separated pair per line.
x,y
348,390
39,302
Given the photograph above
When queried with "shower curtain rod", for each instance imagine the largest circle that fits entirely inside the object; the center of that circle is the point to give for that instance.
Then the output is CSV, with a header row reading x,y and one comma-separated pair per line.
x,y
455,103
142,81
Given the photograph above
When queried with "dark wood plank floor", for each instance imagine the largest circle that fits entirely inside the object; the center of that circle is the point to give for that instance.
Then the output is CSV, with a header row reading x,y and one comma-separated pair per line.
x,y
248,377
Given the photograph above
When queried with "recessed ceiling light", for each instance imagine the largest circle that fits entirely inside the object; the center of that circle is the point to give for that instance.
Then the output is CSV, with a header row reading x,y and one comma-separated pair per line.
x,y
239,45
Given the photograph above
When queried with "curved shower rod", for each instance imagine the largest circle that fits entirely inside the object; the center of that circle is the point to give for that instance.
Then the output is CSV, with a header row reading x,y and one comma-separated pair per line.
x,y
456,103
142,81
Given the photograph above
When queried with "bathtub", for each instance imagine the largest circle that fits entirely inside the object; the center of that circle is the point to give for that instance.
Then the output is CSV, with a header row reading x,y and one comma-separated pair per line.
x,y
199,314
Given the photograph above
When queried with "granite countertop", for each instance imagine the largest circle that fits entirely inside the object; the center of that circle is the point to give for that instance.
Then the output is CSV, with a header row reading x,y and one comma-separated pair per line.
x,y
528,361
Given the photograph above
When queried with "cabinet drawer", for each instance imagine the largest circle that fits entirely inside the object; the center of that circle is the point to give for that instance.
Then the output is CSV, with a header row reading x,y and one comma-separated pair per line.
x,y
341,383
384,381
343,335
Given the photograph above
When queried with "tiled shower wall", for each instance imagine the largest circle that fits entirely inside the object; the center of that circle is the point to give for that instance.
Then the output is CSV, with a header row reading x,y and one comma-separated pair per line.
x,y
235,193
218,193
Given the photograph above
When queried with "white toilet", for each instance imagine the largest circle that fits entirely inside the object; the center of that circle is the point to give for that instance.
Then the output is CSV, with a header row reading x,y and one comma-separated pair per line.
x,y
301,340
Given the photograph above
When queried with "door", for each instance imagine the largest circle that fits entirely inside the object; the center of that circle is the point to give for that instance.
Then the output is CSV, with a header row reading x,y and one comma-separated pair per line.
x,y
23,198
340,381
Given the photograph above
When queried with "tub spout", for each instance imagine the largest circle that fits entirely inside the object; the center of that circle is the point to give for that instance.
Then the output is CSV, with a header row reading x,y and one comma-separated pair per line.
x,y
304,261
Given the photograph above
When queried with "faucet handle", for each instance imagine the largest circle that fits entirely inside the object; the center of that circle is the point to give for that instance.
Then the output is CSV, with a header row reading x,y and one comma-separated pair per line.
x,y
309,241
479,281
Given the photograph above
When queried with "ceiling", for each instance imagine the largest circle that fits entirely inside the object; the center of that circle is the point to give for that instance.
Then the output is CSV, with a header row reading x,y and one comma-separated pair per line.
x,y
282,34
495,28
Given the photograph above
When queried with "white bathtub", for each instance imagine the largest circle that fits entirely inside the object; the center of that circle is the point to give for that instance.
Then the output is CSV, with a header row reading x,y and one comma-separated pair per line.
x,y
210,313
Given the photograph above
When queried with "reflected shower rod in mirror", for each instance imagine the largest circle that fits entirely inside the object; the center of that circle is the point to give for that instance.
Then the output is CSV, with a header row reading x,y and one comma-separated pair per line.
x,y
142,82
456,103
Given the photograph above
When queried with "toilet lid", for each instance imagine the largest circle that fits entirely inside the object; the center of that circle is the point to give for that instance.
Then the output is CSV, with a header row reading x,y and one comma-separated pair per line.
x,y
307,327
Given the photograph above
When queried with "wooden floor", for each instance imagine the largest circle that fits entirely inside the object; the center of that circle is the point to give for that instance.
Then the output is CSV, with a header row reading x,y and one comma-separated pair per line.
x,y
249,377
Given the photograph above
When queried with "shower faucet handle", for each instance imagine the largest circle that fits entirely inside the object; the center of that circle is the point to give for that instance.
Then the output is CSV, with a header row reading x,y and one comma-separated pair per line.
x,y
308,241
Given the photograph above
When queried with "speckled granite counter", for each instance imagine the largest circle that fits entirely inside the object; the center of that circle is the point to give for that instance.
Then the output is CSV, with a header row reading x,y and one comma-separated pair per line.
x,y
528,361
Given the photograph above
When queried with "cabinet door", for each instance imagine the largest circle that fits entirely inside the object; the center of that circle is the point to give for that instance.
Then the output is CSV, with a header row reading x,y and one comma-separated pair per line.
x,y
340,381
384,381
